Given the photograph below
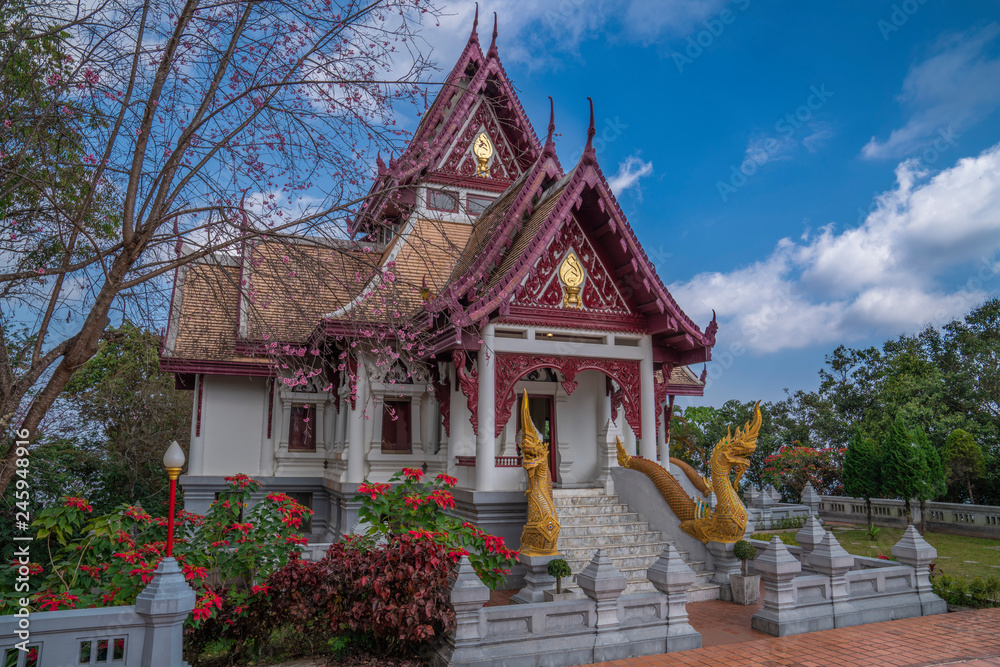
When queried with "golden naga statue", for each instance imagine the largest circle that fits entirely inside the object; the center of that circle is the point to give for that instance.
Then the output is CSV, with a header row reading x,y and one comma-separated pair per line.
x,y
541,532
729,520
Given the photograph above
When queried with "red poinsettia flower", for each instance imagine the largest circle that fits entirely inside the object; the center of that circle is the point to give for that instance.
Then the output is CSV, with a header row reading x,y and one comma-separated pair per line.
x,y
78,503
241,480
413,502
374,490
413,473
443,499
447,479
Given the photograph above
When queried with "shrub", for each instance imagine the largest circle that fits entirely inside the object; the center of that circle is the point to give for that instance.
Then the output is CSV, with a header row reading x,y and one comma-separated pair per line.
x,y
744,551
416,506
559,568
793,466
977,592
392,597
787,522
107,560
787,538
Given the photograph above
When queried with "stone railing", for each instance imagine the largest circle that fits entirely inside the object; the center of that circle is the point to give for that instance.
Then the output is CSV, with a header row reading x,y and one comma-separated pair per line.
x,y
148,634
603,625
975,520
819,586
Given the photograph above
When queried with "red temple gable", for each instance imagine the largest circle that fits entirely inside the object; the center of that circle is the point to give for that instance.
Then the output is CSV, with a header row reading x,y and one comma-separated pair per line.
x,y
598,292
460,160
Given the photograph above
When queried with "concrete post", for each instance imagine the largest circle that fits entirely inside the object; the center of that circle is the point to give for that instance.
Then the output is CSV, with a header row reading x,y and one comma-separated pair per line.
x,y
831,559
485,437
725,564
913,550
537,579
165,603
673,577
356,437
810,535
603,583
647,401
777,568
467,595
811,498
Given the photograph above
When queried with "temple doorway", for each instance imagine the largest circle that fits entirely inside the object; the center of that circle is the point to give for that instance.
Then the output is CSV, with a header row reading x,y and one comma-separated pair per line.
x,y
542,411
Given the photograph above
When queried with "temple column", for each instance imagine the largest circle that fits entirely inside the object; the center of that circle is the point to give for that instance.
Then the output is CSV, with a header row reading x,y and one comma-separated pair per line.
x,y
356,435
196,448
647,443
485,439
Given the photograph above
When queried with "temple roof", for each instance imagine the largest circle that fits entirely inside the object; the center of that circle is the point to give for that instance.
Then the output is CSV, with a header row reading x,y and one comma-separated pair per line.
x,y
452,273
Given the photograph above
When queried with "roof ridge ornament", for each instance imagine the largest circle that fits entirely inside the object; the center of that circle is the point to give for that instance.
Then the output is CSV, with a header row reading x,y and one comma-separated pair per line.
x,y
492,53
474,37
589,154
550,146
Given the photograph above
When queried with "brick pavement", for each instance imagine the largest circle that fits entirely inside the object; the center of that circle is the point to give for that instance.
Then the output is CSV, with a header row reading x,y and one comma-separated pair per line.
x,y
967,638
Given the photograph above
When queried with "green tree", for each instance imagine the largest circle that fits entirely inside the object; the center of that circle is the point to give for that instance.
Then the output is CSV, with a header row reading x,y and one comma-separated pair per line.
x,y
133,411
931,480
964,461
863,471
901,465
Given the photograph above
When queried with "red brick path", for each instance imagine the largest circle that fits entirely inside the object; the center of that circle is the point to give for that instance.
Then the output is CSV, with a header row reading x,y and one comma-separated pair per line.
x,y
968,638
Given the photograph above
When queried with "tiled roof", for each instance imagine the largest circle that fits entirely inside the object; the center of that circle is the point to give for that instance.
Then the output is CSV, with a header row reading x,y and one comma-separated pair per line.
x,y
207,302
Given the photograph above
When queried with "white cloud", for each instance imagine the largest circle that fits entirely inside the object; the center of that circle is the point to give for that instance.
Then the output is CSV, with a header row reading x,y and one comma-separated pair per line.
x,y
893,273
948,92
529,31
629,173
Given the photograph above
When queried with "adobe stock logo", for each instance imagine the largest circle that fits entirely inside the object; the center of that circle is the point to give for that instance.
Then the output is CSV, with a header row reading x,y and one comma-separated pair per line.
x,y
785,127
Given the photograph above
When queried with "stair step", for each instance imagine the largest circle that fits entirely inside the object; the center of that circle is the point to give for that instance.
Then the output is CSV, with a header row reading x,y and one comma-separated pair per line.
x,y
590,510
610,540
603,520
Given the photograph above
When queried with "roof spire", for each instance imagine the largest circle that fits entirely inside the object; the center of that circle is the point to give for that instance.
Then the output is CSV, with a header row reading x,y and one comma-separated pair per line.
x,y
474,37
550,147
493,45
589,155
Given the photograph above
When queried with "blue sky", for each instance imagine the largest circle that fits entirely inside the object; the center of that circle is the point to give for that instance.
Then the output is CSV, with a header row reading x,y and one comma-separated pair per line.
x,y
818,173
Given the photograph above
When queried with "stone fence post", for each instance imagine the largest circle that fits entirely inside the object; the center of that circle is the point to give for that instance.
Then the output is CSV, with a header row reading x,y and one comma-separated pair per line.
x,y
468,595
811,498
777,568
603,583
164,604
810,535
831,559
673,577
914,551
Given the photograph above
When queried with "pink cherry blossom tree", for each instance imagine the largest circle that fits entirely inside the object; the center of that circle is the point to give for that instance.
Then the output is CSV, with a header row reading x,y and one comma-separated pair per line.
x,y
162,133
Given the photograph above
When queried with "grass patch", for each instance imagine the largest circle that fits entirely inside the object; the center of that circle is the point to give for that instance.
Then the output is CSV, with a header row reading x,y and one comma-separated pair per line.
x,y
953,550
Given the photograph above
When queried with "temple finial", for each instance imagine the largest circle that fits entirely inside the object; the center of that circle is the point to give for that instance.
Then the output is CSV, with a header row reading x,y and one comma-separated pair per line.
x,y
380,163
474,37
550,147
493,44
589,155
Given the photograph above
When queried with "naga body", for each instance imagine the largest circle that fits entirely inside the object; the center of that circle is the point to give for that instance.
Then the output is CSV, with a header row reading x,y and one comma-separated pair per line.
x,y
541,532
728,522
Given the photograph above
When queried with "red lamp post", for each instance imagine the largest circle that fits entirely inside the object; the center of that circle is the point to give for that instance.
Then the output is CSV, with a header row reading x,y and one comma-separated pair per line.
x,y
173,461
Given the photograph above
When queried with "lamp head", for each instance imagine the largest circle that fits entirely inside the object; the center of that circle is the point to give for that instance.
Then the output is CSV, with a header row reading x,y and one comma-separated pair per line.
x,y
174,457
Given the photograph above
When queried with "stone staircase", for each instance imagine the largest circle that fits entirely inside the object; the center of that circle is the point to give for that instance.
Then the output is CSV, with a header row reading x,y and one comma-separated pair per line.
x,y
590,520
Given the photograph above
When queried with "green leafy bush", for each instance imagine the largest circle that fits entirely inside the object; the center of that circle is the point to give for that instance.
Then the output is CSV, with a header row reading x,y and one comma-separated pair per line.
x,y
744,551
787,538
788,522
559,568
977,592
107,560
417,506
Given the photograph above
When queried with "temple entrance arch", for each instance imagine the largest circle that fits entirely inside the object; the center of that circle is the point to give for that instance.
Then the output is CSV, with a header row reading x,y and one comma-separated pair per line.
x,y
511,367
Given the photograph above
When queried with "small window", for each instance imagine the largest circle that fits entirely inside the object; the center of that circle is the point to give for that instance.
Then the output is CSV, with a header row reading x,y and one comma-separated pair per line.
x,y
442,200
396,432
302,428
476,204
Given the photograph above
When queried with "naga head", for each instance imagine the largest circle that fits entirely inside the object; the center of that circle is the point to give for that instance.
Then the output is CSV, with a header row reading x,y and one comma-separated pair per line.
x,y
735,447
533,450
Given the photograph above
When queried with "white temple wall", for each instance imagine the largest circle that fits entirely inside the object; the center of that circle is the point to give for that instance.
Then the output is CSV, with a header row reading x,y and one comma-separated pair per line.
x,y
233,413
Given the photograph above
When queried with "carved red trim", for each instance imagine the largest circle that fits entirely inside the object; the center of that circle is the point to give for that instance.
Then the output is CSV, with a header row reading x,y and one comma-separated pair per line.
x,y
352,381
442,393
270,405
616,402
463,163
512,367
572,318
201,385
544,288
468,381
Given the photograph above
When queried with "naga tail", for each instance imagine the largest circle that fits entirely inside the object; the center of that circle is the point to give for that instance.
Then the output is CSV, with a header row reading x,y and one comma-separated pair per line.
x,y
668,487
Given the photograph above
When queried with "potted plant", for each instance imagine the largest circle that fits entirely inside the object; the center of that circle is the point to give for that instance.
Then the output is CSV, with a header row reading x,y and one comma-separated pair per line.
x,y
559,568
745,587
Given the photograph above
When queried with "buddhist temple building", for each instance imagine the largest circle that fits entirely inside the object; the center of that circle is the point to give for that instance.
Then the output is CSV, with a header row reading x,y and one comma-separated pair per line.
x,y
511,273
